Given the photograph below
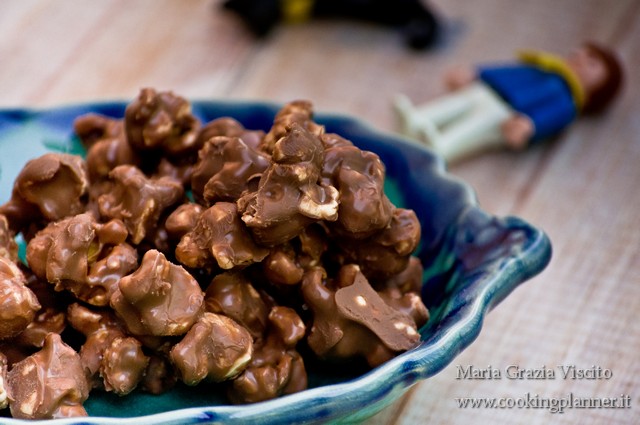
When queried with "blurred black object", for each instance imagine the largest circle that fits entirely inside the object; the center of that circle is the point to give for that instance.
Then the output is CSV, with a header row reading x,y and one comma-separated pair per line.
x,y
418,23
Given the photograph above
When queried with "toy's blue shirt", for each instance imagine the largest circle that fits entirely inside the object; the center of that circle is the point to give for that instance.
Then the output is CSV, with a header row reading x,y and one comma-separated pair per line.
x,y
544,96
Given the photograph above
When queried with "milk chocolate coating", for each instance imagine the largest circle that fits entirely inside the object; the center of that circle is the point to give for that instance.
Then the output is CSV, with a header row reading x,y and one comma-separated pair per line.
x,y
313,245
333,140
359,176
49,188
180,171
299,112
351,320
230,127
300,146
8,245
276,367
216,348
108,153
60,252
111,359
233,295
402,292
159,377
286,263
91,128
289,195
48,384
137,200
357,301
4,396
219,238
161,121
105,273
159,298
223,126
225,168
408,280
14,352
158,238
106,144
88,320
387,252
55,183
410,304
282,267
18,304
295,199
83,256
47,320
48,297
328,328
100,328
182,220
50,318
123,365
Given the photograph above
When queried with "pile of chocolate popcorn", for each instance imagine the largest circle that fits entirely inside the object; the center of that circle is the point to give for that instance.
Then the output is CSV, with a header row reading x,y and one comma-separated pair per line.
x,y
188,251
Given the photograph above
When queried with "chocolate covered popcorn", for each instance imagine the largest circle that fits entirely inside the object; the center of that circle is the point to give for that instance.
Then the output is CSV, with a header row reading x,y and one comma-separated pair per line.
x,y
189,251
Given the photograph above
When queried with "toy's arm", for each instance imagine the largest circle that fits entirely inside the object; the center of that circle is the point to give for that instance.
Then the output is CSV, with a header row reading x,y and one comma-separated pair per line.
x,y
545,121
517,131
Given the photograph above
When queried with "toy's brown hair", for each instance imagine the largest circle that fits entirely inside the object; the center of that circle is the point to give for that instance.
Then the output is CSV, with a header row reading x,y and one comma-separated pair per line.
x,y
602,96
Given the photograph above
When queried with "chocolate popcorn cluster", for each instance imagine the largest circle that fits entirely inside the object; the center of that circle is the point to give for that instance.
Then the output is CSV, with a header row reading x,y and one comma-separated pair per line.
x,y
199,252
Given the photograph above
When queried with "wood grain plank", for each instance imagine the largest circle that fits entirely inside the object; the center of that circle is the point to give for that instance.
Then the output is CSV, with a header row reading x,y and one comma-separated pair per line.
x,y
13,15
36,45
113,50
188,47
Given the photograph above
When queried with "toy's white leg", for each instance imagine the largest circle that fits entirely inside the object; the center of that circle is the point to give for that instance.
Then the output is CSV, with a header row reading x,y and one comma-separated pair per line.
x,y
448,107
424,121
403,109
478,131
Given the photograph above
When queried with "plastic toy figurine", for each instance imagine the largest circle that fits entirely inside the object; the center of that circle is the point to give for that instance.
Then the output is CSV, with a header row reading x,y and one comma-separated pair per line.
x,y
513,105
418,23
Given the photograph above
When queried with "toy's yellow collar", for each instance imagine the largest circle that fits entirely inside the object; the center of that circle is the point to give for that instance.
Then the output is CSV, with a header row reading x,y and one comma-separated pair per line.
x,y
556,64
296,11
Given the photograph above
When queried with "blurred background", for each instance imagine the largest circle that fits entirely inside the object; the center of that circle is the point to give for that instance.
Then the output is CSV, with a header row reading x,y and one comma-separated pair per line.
x,y
580,188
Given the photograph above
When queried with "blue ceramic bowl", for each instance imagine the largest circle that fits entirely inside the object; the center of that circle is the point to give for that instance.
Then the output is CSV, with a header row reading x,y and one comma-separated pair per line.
x,y
472,261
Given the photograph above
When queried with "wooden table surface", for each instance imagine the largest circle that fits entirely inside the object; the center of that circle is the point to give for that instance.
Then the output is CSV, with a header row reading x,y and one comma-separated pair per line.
x,y
583,189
